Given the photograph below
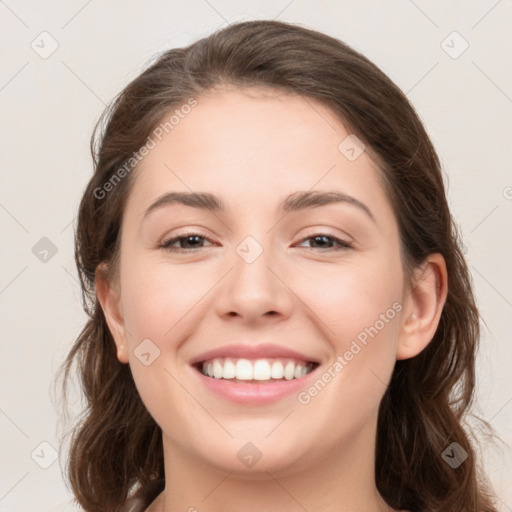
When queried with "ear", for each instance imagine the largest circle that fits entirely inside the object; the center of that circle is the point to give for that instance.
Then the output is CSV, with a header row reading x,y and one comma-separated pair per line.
x,y
423,306
109,298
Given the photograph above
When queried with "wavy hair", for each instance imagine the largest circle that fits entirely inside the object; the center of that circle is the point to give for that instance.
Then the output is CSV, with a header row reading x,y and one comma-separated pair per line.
x,y
116,446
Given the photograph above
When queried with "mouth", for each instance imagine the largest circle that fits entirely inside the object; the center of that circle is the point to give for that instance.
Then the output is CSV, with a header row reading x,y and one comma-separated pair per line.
x,y
260,371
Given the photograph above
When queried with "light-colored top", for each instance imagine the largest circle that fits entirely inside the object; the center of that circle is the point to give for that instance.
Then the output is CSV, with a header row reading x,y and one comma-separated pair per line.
x,y
134,505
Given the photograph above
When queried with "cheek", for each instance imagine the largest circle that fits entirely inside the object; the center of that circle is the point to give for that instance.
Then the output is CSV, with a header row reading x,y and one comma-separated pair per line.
x,y
358,311
344,300
347,298
160,306
159,299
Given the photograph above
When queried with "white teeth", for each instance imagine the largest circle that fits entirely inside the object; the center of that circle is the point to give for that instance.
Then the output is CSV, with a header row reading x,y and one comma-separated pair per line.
x,y
289,370
277,371
244,370
260,369
229,370
217,369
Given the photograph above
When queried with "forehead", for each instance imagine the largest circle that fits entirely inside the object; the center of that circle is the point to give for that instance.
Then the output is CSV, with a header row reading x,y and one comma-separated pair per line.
x,y
253,146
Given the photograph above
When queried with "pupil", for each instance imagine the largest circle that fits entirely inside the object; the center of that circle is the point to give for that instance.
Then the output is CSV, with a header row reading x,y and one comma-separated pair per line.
x,y
320,238
192,237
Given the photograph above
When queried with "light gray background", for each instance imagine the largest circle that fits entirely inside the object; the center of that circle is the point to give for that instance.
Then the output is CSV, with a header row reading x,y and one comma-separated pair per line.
x,y
49,106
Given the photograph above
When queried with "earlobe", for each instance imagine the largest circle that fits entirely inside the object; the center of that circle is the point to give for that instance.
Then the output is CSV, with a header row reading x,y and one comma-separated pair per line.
x,y
423,306
109,299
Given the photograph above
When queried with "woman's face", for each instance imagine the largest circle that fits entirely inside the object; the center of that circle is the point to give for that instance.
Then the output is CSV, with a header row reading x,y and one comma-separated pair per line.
x,y
256,275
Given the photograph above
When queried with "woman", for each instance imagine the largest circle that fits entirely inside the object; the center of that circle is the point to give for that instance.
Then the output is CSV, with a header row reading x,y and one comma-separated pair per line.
x,y
281,317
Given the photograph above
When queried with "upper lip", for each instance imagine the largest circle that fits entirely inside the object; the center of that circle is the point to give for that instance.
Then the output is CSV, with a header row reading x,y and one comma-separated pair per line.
x,y
261,351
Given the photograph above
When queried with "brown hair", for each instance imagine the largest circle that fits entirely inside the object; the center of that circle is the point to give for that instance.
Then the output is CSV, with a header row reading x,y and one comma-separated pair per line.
x,y
116,447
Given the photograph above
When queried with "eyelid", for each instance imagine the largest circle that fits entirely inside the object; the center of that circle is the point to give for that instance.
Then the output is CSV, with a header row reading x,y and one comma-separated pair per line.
x,y
167,241
330,231
342,243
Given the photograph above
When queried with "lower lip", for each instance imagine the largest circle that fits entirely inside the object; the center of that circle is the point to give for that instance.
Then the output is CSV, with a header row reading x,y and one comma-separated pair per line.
x,y
251,393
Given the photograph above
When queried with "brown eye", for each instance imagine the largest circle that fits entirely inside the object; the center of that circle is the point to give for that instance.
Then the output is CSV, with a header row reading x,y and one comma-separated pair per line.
x,y
188,241
326,240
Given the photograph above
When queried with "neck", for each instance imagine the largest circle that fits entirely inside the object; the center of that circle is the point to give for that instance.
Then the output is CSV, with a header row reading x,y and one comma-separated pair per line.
x,y
343,481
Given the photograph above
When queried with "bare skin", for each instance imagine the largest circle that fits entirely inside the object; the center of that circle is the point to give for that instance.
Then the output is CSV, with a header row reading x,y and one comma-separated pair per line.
x,y
252,148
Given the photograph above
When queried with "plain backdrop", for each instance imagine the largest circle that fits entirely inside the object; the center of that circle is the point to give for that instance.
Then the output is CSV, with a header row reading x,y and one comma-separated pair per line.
x,y
62,62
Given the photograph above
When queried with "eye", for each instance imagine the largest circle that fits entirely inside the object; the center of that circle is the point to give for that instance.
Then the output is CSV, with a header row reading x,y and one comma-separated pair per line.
x,y
326,239
192,241
187,242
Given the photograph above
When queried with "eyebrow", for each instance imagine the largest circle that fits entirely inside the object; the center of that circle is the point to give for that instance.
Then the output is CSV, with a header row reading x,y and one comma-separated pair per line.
x,y
294,202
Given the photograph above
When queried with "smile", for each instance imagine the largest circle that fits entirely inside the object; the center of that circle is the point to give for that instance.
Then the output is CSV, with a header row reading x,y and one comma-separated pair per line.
x,y
256,382
255,370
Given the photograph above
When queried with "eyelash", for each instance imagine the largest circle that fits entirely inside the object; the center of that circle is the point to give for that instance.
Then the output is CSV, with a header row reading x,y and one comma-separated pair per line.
x,y
343,246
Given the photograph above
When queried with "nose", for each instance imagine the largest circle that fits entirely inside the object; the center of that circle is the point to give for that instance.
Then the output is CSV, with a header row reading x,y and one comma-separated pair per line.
x,y
255,291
